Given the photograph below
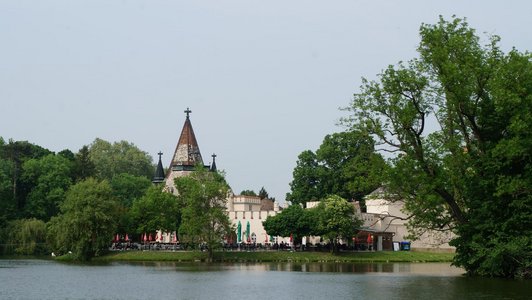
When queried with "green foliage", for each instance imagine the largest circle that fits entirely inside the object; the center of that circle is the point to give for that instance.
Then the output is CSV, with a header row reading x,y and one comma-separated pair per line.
x,y
344,165
120,157
333,219
306,182
127,187
7,202
293,220
156,210
337,220
263,194
25,237
87,221
471,172
14,154
204,217
49,177
248,193
83,165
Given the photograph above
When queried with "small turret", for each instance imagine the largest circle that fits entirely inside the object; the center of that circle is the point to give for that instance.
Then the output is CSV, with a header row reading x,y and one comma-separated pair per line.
x,y
213,165
159,172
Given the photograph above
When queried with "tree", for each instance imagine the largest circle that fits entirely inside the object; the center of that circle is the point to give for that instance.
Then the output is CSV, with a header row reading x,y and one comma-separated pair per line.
x,y
156,210
119,157
352,167
26,237
455,117
337,220
83,165
49,178
248,193
127,187
204,216
7,202
263,194
87,222
307,175
293,221
345,164
16,153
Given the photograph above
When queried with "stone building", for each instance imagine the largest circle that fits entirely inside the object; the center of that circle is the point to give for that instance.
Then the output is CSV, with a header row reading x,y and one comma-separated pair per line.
x,y
245,212
383,215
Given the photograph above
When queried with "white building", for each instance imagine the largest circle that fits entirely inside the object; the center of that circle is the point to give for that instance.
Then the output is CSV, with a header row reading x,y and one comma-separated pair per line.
x,y
245,212
383,215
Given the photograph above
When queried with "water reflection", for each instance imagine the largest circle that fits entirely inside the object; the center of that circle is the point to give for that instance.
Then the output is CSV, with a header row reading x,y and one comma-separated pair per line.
x,y
36,279
439,269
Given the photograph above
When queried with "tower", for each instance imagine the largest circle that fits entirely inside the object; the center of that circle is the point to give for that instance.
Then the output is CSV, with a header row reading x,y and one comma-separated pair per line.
x,y
159,172
186,156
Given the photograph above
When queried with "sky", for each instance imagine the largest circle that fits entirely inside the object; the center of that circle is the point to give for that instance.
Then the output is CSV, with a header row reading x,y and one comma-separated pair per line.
x,y
264,79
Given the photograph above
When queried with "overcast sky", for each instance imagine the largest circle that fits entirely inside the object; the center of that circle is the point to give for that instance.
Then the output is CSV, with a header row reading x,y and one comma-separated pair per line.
x,y
264,79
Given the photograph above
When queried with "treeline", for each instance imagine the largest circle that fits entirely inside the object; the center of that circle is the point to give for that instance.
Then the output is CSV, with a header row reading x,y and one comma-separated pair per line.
x,y
36,183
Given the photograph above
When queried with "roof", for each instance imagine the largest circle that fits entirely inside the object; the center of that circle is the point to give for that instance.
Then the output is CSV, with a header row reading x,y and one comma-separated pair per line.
x,y
159,172
187,152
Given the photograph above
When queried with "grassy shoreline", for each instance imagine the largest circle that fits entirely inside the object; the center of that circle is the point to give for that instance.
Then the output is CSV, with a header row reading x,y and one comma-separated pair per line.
x,y
278,256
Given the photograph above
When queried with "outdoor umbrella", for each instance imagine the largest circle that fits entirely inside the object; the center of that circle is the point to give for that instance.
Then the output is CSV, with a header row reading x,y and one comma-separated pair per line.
x,y
247,231
127,238
239,232
150,238
144,238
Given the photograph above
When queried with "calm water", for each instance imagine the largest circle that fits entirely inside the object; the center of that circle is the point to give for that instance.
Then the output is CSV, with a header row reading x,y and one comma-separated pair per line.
x,y
42,279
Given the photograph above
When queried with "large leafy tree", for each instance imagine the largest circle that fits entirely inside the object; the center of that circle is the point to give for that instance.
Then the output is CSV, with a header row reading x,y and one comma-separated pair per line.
x,y
306,184
292,221
7,202
83,165
26,237
87,221
50,178
345,165
204,216
12,156
456,119
156,210
119,157
337,220
127,188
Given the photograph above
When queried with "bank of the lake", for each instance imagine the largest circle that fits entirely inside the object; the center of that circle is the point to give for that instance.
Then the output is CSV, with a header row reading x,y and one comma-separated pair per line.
x,y
277,256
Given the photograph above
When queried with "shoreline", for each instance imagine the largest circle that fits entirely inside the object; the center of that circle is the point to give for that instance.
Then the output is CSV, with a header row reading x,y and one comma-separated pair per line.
x,y
259,257
277,256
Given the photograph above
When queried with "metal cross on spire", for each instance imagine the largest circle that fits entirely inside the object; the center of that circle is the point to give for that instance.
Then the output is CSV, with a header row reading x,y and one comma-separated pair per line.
x,y
160,154
188,111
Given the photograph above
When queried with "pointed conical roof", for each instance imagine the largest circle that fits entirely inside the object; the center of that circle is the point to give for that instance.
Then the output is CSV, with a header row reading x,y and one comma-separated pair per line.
x,y
187,153
159,172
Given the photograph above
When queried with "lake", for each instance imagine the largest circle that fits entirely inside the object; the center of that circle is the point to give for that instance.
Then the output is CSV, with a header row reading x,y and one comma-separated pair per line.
x,y
47,279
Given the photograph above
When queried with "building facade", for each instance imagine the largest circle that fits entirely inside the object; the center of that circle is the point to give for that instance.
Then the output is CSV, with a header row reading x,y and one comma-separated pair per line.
x,y
245,212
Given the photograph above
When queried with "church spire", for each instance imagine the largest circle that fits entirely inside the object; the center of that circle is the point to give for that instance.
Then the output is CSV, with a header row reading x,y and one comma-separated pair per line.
x,y
159,172
187,153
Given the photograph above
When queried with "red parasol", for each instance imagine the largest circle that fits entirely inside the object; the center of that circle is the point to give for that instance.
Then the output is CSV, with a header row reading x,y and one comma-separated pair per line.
x,y
150,238
127,238
144,238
